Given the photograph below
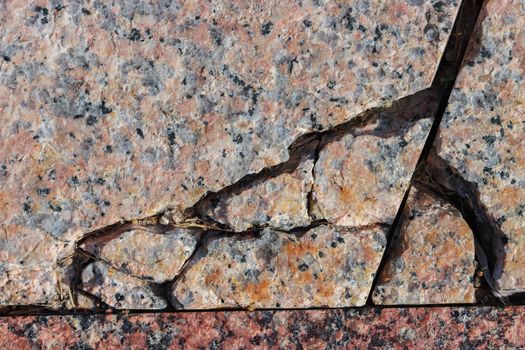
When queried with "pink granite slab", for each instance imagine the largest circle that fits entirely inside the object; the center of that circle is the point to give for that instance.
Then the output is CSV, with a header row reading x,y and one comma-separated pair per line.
x,y
413,328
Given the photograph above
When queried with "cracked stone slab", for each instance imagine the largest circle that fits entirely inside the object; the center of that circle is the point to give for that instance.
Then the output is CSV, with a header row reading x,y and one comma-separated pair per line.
x,y
432,259
361,177
120,290
323,267
481,134
145,252
280,201
183,99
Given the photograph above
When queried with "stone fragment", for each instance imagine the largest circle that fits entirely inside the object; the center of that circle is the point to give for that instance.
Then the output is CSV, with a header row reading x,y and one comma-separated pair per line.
x,y
120,290
432,259
280,202
481,134
361,177
146,252
323,267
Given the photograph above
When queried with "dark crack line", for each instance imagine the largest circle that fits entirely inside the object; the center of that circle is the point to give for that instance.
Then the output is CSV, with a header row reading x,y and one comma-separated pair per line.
x,y
444,80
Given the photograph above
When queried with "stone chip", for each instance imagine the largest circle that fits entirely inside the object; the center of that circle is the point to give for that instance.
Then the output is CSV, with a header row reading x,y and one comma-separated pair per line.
x,y
481,134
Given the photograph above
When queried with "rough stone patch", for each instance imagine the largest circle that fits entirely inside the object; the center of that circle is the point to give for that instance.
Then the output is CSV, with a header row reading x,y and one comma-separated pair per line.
x,y
323,267
362,177
146,252
120,290
481,134
432,259
280,202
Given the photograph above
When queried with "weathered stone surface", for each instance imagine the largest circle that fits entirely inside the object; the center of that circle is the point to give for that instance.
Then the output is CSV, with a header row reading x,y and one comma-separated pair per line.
x,y
146,252
481,134
280,202
120,290
362,177
432,259
325,266
185,98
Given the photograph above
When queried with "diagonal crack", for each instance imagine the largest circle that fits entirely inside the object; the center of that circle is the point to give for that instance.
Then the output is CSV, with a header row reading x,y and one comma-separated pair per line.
x,y
444,80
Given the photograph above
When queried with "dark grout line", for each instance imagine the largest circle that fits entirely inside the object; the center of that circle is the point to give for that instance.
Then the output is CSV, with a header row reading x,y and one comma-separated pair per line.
x,y
444,80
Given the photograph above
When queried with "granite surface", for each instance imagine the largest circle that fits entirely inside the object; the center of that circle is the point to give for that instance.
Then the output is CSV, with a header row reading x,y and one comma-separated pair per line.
x,y
481,134
321,267
119,111
414,328
432,259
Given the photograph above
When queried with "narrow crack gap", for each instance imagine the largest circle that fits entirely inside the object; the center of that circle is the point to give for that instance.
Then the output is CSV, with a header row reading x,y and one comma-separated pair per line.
x,y
387,251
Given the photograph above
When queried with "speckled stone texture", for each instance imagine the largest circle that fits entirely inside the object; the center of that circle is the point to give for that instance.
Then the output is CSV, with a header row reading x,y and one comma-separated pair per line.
x,y
280,202
118,111
322,267
432,258
120,290
147,252
481,134
361,177
414,328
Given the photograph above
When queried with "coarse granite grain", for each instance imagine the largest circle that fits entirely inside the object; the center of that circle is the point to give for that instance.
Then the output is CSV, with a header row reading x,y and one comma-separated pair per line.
x,y
374,328
432,258
321,267
481,134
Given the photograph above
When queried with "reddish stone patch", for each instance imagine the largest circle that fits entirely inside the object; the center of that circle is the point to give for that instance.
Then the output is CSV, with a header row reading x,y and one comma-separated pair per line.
x,y
395,328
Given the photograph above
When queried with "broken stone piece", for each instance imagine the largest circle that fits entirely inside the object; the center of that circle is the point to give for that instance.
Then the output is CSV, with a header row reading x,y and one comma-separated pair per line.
x,y
322,267
361,178
432,259
120,290
280,202
146,252
481,134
